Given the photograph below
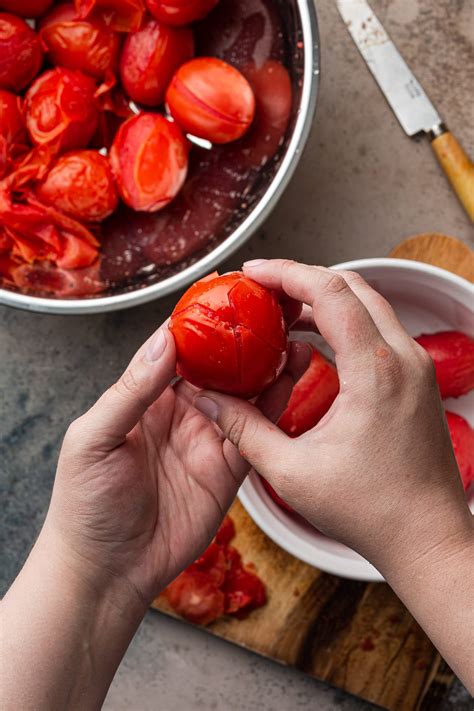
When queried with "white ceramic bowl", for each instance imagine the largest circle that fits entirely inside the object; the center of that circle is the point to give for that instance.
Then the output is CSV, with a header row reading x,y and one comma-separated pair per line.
x,y
426,299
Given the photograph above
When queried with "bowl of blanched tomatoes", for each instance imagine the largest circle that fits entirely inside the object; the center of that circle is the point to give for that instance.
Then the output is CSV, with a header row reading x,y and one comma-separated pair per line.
x,y
435,307
142,141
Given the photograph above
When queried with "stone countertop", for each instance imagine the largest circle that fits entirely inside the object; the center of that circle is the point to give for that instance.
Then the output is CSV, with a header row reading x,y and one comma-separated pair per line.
x,y
361,187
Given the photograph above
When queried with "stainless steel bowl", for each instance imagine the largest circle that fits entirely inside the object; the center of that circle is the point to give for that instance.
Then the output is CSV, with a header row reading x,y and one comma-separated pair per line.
x,y
303,62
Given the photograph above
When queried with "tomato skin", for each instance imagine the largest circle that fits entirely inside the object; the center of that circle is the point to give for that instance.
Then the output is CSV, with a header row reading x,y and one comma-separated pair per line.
x,y
180,12
20,53
211,99
26,8
119,15
81,184
149,159
230,335
149,59
88,45
60,109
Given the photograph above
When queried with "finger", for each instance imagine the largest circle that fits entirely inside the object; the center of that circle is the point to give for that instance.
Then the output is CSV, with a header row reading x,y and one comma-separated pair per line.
x,y
257,439
291,309
305,321
273,401
119,409
340,316
380,310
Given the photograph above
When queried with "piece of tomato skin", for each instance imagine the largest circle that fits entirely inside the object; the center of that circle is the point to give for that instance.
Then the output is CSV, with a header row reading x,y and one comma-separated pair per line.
x,y
177,12
462,438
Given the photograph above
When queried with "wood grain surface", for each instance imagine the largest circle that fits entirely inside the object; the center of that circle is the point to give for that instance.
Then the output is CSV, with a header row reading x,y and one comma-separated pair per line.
x,y
356,636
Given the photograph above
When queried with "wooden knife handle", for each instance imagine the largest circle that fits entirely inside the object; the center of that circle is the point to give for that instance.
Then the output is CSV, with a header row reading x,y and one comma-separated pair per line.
x,y
457,167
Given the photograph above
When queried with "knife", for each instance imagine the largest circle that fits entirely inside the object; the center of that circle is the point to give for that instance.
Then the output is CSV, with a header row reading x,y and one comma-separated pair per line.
x,y
411,106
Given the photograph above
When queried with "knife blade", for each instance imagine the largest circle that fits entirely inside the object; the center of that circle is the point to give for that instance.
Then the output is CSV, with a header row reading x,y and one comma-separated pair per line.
x,y
399,85
406,96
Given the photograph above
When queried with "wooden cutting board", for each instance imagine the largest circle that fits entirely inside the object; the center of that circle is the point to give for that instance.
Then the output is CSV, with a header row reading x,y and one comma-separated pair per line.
x,y
356,636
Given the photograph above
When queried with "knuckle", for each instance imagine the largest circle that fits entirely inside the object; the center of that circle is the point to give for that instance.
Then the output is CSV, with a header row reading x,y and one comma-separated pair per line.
x,y
335,284
127,386
352,277
239,429
424,365
389,368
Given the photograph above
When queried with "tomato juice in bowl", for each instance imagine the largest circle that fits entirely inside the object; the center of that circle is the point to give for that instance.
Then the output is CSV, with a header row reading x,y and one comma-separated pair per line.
x,y
427,300
229,188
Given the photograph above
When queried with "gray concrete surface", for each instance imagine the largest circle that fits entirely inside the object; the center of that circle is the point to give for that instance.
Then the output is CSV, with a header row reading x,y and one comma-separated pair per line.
x,y
361,187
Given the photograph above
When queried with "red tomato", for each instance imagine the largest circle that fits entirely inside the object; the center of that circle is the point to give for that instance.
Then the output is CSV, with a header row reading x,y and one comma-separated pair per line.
x,y
312,396
149,158
77,253
149,58
26,8
452,353
88,45
213,563
81,185
60,109
120,15
20,53
230,335
12,125
211,99
194,596
180,12
462,437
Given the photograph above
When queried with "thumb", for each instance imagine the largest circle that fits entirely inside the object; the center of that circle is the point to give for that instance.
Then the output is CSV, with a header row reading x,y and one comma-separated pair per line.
x,y
258,440
119,409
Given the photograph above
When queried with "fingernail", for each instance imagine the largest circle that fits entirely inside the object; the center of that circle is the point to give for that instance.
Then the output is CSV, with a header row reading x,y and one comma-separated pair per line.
x,y
156,346
208,407
254,263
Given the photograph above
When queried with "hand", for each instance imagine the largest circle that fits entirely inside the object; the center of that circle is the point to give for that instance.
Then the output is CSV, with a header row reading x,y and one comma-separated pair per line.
x,y
378,472
144,479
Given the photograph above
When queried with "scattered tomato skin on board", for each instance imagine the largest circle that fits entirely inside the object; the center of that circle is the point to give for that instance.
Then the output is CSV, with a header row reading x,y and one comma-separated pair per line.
x,y
217,583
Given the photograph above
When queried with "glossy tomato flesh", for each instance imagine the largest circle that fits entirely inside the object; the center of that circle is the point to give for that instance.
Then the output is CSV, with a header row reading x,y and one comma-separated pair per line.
x,y
81,184
20,53
61,110
149,158
88,45
211,99
230,335
180,12
149,58
462,438
196,597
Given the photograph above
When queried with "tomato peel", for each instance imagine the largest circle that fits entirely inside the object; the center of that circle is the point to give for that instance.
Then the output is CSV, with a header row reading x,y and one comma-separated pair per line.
x,y
462,438
220,335
120,15
61,110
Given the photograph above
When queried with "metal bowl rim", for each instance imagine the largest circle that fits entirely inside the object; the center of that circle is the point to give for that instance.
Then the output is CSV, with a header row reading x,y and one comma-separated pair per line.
x,y
252,222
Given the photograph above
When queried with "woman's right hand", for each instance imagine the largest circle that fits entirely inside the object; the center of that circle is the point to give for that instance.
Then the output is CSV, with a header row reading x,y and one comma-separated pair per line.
x,y
378,471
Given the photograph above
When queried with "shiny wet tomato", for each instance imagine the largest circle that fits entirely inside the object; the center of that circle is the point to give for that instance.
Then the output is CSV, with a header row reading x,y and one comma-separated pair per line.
x,y
60,109
88,45
230,335
80,184
20,53
149,158
462,437
211,99
150,57
180,12
26,8
120,15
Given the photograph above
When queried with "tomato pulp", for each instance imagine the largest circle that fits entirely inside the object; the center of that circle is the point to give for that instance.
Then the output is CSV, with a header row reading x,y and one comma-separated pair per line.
x,y
230,335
